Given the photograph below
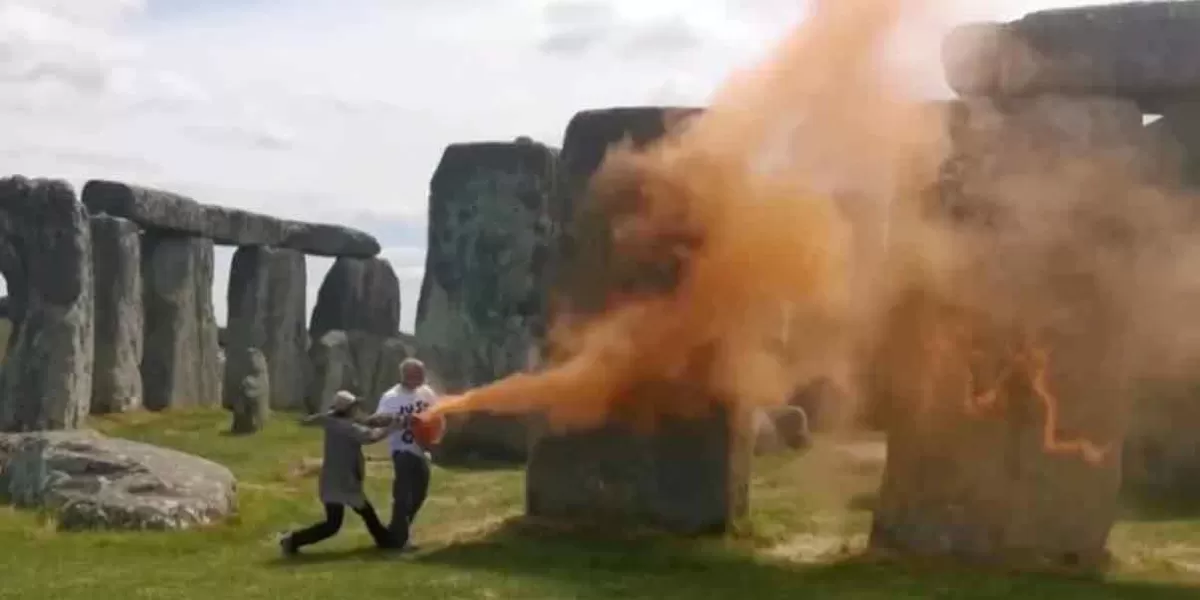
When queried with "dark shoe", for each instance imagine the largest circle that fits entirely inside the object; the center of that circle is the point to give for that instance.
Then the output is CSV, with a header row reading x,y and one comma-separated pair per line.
x,y
287,546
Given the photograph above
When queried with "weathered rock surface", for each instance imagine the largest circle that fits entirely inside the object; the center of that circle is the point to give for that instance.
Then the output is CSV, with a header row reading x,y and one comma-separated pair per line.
x,y
180,366
267,310
227,226
358,294
331,370
780,429
250,401
997,449
46,258
94,482
686,475
364,364
580,228
1137,50
117,263
690,477
481,309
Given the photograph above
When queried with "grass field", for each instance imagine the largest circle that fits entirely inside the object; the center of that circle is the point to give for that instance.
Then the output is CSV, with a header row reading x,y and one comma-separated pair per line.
x,y
800,542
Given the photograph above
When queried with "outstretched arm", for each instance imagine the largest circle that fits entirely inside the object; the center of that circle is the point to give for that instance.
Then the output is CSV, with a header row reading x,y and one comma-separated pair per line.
x,y
360,433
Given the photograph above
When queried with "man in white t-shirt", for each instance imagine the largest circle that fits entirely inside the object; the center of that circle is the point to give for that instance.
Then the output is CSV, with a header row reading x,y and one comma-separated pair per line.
x,y
410,461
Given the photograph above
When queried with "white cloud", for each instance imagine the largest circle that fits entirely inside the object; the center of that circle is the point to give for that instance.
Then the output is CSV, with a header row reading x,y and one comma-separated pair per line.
x,y
338,110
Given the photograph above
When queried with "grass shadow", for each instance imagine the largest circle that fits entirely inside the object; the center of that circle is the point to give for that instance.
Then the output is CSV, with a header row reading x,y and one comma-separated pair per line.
x,y
313,557
662,567
1150,505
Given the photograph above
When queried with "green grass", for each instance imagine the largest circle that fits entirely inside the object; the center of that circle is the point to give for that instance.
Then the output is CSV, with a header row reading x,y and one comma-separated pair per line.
x,y
801,542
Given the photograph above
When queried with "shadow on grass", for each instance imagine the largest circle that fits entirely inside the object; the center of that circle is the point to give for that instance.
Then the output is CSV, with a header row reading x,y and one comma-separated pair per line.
x,y
1147,505
658,567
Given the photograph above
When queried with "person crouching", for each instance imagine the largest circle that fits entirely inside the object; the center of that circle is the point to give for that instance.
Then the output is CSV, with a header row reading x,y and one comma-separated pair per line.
x,y
342,471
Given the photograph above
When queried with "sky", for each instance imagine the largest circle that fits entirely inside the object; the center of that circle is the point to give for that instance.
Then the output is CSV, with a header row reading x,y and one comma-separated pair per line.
x,y
338,110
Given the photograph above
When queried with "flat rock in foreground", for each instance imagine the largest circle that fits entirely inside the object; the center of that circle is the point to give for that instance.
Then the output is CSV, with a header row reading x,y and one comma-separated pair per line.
x,y
227,226
89,481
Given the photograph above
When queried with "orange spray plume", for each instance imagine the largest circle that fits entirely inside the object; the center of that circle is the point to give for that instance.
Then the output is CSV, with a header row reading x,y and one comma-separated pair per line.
x,y
772,264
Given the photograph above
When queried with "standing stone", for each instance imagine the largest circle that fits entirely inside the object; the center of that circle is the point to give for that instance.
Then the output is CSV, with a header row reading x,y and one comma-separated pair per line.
x,y
362,298
266,300
117,259
358,294
251,400
1006,391
180,366
329,359
689,475
579,228
481,307
46,259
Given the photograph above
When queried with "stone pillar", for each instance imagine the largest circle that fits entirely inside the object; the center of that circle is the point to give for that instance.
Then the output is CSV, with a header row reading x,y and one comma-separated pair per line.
x,y
329,359
481,309
248,385
180,367
361,296
1007,390
266,299
46,257
117,256
687,475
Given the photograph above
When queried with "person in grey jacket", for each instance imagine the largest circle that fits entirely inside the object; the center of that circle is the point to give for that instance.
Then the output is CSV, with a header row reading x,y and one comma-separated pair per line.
x,y
342,472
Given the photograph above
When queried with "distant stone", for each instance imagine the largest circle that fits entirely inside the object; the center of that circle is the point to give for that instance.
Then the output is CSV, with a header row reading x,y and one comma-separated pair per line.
x,y
46,259
227,226
266,299
250,400
358,294
117,259
331,370
780,429
180,367
481,309
1138,51
88,481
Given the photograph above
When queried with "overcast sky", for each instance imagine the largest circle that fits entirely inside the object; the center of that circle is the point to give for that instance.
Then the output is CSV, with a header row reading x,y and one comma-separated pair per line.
x,y
338,110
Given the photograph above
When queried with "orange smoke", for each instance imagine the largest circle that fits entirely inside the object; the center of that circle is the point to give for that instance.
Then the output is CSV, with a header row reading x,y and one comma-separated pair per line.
x,y
769,261
794,221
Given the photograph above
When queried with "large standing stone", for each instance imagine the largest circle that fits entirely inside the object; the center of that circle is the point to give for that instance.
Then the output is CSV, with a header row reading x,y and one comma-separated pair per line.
x,y
46,258
1007,389
1135,50
362,298
88,481
481,308
250,401
180,366
329,359
155,209
580,229
358,294
266,300
117,259
690,477
686,475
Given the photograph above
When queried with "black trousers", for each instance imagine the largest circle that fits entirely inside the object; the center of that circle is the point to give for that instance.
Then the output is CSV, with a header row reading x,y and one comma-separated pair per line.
x,y
334,516
410,485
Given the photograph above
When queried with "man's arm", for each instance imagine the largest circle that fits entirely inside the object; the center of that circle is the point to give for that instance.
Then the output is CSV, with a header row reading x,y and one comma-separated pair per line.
x,y
385,413
360,433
